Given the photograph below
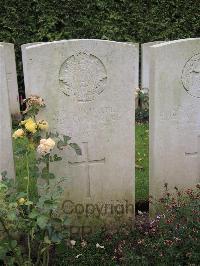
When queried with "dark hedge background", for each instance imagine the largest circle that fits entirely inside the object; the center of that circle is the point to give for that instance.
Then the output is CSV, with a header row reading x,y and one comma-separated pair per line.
x,y
24,21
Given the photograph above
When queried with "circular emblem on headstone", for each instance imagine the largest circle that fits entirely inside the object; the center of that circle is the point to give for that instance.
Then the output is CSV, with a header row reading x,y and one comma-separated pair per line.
x,y
191,76
84,76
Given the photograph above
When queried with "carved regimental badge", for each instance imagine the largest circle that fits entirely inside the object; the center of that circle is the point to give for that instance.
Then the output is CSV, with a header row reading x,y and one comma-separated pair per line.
x,y
84,76
191,76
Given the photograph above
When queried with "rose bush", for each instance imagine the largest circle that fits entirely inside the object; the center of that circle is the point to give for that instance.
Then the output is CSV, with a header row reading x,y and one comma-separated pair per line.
x,y
30,227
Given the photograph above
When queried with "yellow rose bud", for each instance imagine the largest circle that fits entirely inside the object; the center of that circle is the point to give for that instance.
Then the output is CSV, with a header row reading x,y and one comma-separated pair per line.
x,y
19,133
43,125
31,126
21,201
23,122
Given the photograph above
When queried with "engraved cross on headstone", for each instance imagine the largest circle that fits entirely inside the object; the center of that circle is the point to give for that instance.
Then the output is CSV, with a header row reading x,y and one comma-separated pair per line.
x,y
196,154
87,162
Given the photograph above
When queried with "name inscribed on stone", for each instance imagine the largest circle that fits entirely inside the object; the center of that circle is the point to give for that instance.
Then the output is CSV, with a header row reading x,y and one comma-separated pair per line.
x,y
84,76
103,117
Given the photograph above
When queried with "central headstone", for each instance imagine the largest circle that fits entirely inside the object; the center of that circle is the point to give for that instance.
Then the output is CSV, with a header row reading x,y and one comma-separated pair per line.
x,y
89,89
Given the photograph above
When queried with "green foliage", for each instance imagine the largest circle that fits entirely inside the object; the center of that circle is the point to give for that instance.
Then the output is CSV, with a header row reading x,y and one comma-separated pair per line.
x,y
29,229
142,111
124,20
32,223
20,146
141,115
142,162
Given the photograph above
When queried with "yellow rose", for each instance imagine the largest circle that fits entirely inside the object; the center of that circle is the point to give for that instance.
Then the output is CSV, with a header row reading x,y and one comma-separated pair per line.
x,y
26,121
21,201
31,126
19,133
43,125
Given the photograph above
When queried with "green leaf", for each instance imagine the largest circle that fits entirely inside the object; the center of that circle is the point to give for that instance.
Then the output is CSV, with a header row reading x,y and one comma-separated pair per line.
x,y
66,139
60,145
3,187
48,202
28,203
13,243
3,250
51,159
42,221
4,174
43,250
34,214
56,220
56,158
64,143
47,240
51,176
45,173
52,135
76,148
56,237
13,205
12,216
21,195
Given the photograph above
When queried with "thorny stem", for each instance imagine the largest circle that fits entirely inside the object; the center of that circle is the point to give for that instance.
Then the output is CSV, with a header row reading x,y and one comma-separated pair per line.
x,y
38,254
47,164
28,176
27,189
47,256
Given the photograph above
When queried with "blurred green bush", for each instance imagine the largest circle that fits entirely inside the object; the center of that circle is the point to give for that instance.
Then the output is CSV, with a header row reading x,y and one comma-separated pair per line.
x,y
23,21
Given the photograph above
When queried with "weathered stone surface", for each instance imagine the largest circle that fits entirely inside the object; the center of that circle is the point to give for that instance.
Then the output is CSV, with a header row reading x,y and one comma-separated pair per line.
x,y
174,115
145,63
24,59
6,151
11,78
89,89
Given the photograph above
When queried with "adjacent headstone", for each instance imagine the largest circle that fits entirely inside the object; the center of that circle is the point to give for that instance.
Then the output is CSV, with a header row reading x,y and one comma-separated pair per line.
x,y
145,63
11,78
24,60
174,115
6,151
89,89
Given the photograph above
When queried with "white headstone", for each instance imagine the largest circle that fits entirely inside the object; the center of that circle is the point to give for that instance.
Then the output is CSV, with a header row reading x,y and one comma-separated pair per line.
x,y
145,56
6,151
24,60
11,77
89,89
174,115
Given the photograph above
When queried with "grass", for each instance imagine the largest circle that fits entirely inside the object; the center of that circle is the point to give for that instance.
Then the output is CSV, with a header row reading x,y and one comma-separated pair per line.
x,y
142,168
142,162
21,166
